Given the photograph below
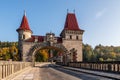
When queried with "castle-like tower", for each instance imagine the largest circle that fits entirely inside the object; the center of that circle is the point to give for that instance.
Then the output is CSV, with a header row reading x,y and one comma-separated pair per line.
x,y
24,33
72,35
70,38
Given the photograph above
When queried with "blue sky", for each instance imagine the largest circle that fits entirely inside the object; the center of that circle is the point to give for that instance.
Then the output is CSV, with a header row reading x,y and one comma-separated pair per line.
x,y
99,18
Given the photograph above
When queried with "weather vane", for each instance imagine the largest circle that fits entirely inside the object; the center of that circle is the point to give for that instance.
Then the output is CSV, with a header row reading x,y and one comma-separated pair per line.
x,y
24,12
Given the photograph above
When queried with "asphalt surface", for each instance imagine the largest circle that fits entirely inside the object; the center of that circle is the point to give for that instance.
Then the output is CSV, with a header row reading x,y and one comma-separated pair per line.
x,y
47,72
53,72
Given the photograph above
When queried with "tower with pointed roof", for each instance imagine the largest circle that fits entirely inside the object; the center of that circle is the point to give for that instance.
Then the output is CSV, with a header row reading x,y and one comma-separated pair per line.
x,y
72,35
24,33
24,30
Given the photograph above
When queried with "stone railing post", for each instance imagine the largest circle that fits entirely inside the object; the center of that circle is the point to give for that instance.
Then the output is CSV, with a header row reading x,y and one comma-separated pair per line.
x,y
1,71
109,67
118,68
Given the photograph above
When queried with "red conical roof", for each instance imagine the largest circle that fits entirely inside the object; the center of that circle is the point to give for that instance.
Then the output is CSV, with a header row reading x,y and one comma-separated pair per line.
x,y
71,22
24,24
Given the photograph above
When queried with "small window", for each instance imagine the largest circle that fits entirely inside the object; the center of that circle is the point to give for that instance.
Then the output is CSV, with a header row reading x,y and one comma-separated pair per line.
x,y
77,37
70,36
23,36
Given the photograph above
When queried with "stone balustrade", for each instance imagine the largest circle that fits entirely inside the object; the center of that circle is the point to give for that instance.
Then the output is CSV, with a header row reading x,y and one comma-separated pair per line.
x,y
113,66
8,68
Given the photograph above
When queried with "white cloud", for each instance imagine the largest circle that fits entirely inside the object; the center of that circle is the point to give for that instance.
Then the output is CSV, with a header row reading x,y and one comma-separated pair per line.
x,y
100,13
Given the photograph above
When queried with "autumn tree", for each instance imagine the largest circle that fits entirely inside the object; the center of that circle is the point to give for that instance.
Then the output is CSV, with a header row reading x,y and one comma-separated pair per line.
x,y
42,55
8,50
87,52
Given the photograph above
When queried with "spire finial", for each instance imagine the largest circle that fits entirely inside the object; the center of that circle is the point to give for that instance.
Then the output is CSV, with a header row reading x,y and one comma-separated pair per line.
x,y
67,10
74,10
50,31
24,12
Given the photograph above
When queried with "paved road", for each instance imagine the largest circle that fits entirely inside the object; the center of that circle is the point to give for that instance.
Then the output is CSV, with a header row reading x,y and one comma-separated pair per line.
x,y
47,72
52,72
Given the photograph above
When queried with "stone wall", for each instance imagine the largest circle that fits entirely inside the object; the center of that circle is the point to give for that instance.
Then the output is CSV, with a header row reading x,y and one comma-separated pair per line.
x,y
70,44
26,49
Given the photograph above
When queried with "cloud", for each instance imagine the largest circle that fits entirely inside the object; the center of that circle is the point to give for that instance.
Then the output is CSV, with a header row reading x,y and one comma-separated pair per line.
x,y
100,13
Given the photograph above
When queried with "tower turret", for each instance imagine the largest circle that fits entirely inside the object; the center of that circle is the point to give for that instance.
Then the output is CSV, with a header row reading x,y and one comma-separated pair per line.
x,y
72,35
24,33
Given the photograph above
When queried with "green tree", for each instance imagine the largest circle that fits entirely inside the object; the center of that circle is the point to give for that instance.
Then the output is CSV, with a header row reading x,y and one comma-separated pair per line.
x,y
117,57
101,59
112,55
87,53
7,56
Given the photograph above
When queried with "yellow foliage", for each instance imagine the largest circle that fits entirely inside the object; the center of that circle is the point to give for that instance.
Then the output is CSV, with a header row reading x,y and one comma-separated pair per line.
x,y
5,50
9,52
13,50
44,53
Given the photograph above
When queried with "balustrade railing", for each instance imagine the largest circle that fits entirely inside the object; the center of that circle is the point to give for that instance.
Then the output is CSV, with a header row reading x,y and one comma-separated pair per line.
x,y
111,66
8,68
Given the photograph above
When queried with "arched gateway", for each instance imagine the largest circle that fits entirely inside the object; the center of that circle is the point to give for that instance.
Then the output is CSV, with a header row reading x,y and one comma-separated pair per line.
x,y
36,47
69,43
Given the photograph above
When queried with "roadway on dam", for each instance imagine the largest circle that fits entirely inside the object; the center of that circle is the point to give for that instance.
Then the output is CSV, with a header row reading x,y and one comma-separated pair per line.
x,y
54,72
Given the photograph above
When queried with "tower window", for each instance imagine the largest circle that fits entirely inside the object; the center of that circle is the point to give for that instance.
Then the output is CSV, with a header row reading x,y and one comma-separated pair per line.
x,y
70,36
23,36
77,37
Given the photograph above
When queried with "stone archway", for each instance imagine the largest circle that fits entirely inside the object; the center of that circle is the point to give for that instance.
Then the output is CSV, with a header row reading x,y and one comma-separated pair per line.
x,y
36,47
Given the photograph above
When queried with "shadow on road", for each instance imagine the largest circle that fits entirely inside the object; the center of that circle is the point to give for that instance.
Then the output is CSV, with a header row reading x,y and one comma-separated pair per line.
x,y
80,75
